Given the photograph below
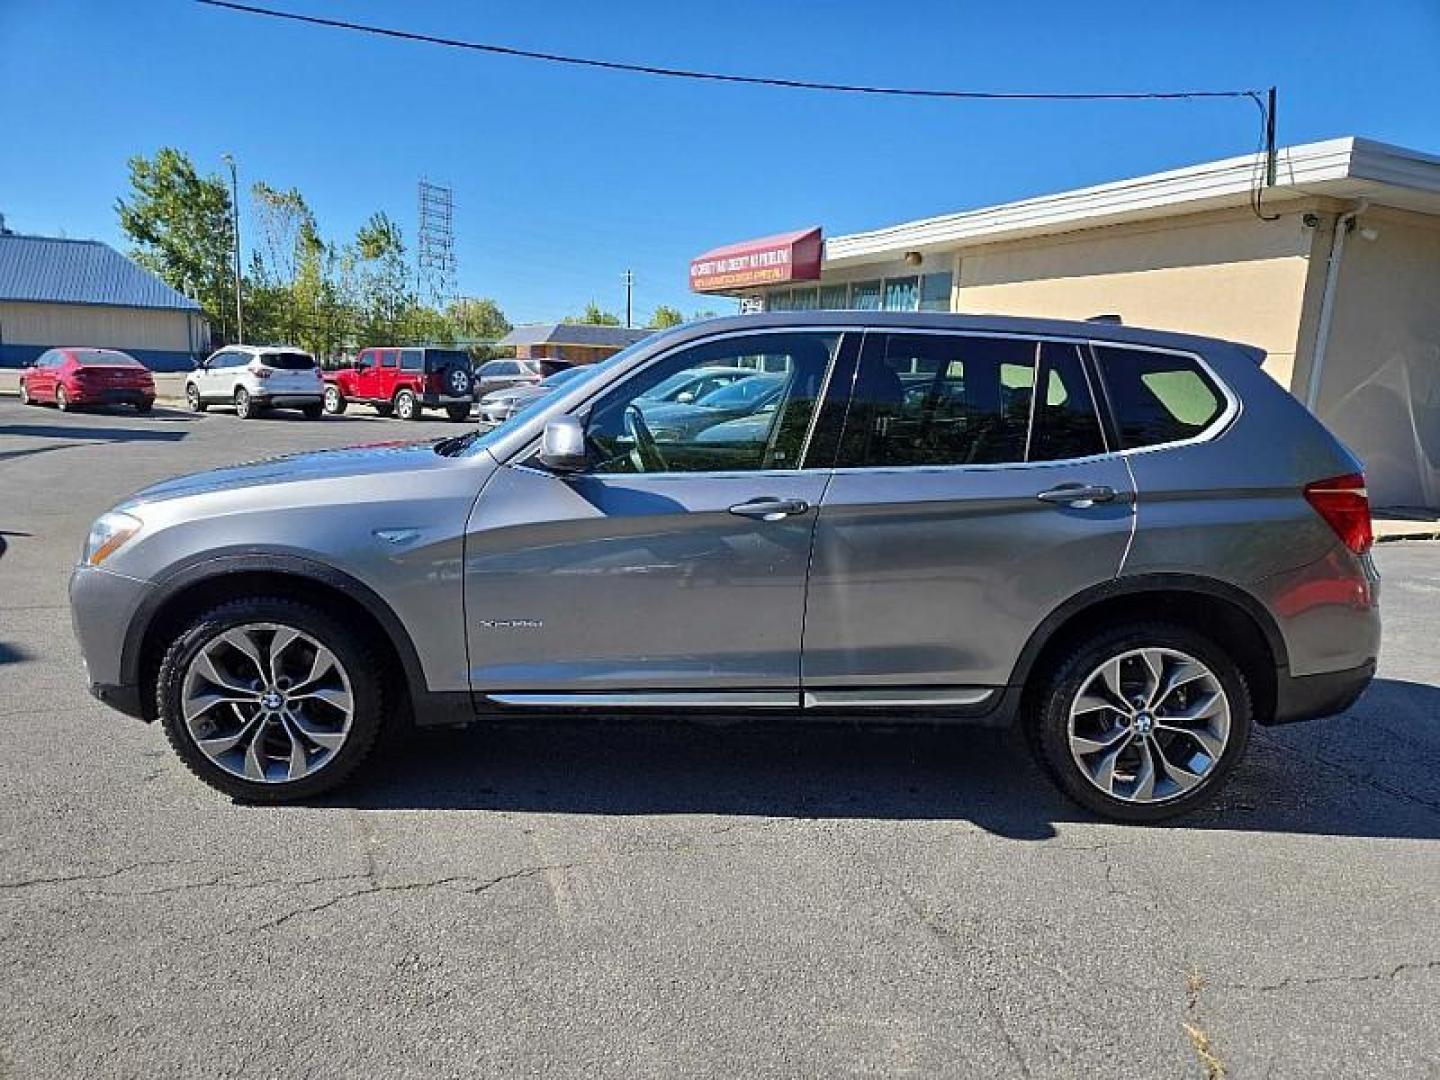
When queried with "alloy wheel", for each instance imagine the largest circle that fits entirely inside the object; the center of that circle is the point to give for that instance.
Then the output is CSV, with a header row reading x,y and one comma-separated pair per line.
x,y
1149,725
267,702
192,397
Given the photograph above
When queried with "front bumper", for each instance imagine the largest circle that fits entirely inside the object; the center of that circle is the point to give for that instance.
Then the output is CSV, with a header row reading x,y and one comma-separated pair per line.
x,y
1309,697
102,610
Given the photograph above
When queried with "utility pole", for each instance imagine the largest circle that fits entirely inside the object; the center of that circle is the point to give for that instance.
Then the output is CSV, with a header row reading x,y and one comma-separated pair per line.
x,y
235,222
629,280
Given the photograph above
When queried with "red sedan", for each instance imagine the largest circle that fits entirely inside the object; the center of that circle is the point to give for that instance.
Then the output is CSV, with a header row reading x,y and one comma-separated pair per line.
x,y
74,377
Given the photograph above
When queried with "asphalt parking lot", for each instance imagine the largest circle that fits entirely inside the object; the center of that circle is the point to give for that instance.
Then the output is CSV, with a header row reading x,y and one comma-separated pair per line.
x,y
683,901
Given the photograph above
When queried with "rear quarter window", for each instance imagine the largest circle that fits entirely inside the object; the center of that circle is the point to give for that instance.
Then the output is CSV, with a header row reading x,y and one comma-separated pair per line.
x,y
1157,397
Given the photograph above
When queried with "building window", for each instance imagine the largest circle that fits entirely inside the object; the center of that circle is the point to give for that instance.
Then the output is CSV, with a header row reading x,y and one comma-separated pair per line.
x,y
834,297
804,300
901,293
865,296
935,292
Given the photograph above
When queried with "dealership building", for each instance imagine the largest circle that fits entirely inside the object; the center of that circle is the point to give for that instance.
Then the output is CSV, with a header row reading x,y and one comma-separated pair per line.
x,y
1335,272
60,292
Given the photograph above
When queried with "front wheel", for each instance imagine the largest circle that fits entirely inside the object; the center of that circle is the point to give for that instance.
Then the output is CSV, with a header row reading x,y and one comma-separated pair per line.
x,y
1143,722
334,401
268,699
144,405
192,398
406,407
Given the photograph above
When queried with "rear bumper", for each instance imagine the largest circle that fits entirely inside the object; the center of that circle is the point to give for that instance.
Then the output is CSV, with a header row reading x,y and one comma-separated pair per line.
x,y
113,396
287,400
124,699
441,401
1308,697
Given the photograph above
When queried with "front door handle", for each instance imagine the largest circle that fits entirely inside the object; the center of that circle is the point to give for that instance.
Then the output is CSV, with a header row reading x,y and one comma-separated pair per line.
x,y
1079,496
770,509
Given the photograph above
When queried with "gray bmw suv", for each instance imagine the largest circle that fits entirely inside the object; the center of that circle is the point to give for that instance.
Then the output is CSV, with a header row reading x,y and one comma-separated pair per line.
x,y
1133,544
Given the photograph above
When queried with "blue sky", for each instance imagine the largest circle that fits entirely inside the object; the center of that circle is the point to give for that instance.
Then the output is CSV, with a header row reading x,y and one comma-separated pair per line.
x,y
565,177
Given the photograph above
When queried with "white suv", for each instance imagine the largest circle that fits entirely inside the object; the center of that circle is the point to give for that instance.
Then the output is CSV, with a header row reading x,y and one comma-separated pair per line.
x,y
257,377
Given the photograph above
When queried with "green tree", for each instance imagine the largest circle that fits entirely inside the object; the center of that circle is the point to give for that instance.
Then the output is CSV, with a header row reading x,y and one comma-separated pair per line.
x,y
180,224
595,315
385,300
665,317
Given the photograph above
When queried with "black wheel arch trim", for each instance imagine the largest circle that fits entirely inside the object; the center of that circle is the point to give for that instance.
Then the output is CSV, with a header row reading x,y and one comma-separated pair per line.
x,y
1139,585
247,560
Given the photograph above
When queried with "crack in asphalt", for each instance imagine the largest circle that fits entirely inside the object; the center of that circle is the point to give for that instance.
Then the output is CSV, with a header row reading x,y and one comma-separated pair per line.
x,y
474,886
1323,980
34,882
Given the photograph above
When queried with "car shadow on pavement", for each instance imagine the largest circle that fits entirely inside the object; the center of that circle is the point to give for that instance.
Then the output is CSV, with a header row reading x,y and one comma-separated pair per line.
x,y
1353,775
90,434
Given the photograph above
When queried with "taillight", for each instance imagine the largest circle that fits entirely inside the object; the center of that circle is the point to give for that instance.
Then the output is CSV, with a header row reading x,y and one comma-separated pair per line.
x,y
1345,505
259,372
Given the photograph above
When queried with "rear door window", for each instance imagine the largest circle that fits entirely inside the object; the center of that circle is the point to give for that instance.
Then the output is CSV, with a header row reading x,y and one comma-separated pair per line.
x,y
413,360
1157,397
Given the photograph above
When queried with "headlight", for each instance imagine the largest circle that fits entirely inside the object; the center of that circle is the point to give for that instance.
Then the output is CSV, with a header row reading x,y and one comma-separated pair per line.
x,y
107,535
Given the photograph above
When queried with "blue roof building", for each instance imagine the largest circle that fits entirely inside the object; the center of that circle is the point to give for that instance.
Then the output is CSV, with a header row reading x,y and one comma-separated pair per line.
x,y
56,292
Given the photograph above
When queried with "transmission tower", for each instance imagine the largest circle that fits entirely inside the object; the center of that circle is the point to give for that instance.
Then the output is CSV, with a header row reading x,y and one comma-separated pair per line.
x,y
435,247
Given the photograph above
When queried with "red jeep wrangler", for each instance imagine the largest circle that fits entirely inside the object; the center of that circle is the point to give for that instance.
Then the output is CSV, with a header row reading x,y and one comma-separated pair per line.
x,y
404,381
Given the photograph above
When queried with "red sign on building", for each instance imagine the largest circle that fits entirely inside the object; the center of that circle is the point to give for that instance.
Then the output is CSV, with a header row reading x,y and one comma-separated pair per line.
x,y
793,256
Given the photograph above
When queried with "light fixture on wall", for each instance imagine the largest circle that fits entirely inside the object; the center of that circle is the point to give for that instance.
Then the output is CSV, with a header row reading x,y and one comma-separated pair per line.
x,y
1369,232
913,258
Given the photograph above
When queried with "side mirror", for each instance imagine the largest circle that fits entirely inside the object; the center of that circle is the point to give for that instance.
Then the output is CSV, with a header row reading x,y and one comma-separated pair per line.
x,y
562,446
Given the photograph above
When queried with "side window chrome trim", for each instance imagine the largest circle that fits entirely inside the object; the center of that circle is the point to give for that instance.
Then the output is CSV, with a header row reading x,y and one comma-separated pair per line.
x,y
1211,431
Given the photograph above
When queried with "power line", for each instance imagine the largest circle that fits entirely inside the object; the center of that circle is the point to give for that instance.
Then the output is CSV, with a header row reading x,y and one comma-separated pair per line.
x,y
715,76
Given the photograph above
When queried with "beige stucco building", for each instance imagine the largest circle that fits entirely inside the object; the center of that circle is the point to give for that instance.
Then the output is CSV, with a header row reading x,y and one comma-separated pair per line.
x,y
1336,276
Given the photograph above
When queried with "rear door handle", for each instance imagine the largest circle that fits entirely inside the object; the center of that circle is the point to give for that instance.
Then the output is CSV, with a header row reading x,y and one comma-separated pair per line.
x,y
770,509
1079,496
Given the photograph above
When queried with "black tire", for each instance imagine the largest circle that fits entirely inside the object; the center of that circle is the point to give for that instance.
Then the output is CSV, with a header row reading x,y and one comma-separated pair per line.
x,y
335,402
350,648
143,407
245,409
25,398
457,413
192,398
407,406
1049,722
313,412
62,399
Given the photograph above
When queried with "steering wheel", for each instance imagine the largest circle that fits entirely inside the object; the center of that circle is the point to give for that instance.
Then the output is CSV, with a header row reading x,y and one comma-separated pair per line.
x,y
646,455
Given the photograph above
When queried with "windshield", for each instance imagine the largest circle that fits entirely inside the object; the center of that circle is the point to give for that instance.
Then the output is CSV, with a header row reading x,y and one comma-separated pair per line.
x,y
560,378
744,392
479,440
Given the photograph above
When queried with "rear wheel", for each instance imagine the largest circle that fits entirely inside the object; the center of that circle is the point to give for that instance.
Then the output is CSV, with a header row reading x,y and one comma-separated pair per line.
x,y
244,407
192,398
406,407
62,399
268,699
457,412
144,406
25,398
334,401
313,412
1143,722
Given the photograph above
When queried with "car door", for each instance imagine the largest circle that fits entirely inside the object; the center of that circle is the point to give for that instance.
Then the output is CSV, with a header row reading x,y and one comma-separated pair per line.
x,y
365,387
964,508
669,572
40,379
209,376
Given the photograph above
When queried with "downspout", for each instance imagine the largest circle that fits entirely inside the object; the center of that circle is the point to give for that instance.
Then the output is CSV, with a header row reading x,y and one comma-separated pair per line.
x,y
1343,224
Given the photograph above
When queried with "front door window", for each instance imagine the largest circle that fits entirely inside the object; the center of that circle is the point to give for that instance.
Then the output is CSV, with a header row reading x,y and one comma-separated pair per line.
x,y
757,397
